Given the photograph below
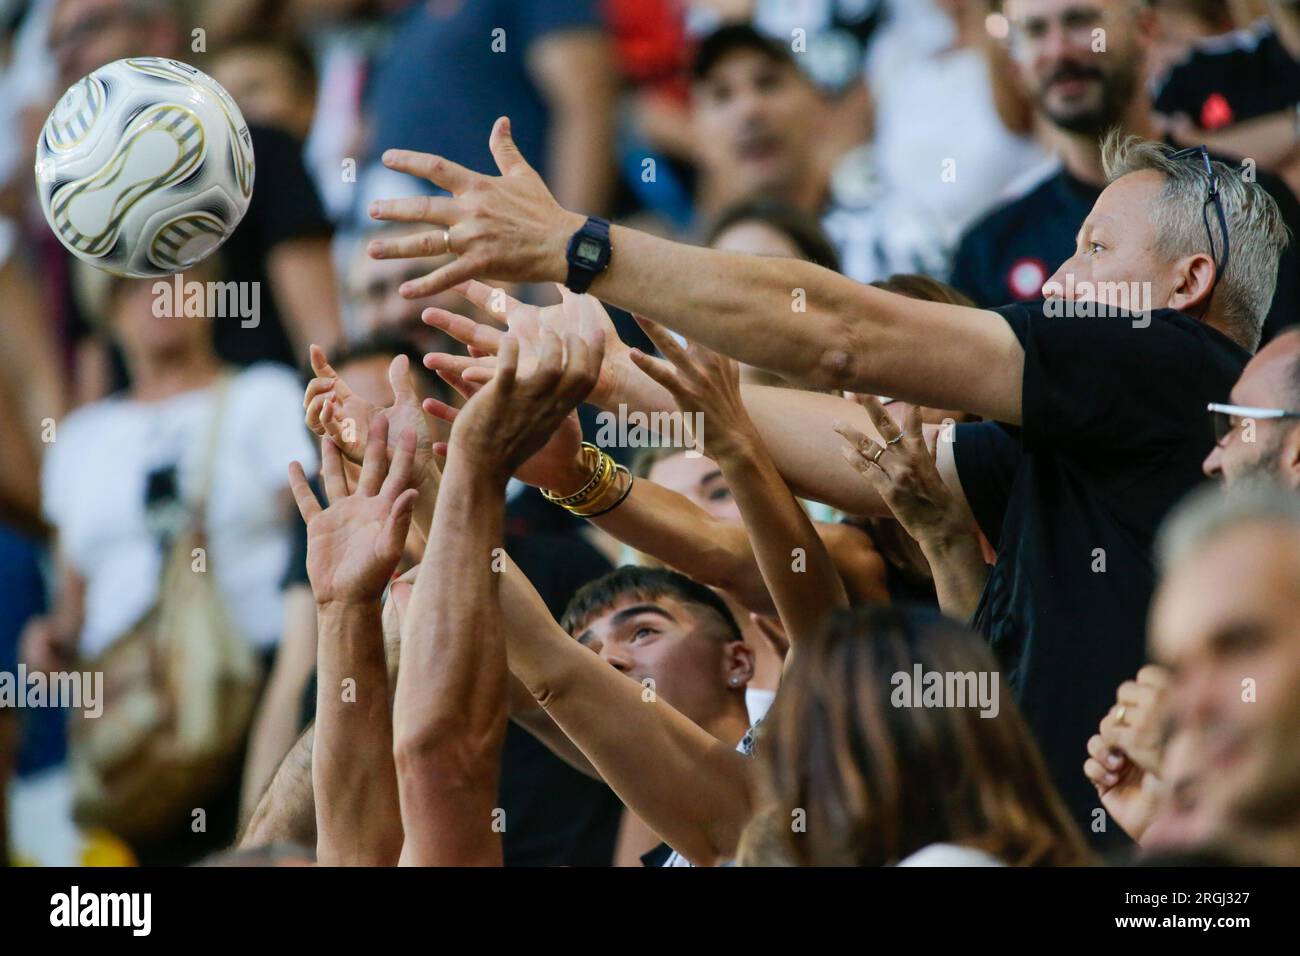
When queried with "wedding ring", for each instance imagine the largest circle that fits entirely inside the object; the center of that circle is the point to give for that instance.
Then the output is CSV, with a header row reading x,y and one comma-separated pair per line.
x,y
1119,714
446,241
895,440
875,459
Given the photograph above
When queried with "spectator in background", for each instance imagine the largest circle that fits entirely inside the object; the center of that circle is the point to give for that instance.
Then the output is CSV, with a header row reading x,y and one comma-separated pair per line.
x,y
116,521
1181,25
834,38
1226,622
1258,437
373,306
941,152
753,116
1080,93
282,244
1240,93
273,81
869,779
454,67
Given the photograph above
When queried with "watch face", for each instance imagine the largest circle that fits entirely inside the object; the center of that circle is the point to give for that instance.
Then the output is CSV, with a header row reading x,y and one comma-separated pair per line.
x,y
588,251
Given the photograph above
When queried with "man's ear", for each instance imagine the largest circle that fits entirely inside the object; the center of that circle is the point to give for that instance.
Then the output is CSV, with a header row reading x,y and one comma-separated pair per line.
x,y
739,664
1289,459
1193,283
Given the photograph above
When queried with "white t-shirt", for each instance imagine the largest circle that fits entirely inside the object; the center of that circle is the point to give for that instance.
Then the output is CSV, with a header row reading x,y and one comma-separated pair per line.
x,y
950,854
941,155
93,485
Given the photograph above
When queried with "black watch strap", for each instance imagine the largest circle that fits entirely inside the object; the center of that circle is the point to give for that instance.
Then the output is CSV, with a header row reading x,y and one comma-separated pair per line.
x,y
588,254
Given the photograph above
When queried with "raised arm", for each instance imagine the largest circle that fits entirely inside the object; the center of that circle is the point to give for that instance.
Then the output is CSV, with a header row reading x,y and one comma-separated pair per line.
x,y
903,470
796,566
352,549
796,426
845,335
451,706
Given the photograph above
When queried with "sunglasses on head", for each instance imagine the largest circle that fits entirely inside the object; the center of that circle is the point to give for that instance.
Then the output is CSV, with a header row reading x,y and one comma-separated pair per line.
x,y
1202,154
1224,418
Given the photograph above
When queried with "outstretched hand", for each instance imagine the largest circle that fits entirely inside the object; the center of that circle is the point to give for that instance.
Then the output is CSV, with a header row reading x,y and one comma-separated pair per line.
x,y
574,313
510,419
559,465
705,386
904,472
354,544
506,227
335,412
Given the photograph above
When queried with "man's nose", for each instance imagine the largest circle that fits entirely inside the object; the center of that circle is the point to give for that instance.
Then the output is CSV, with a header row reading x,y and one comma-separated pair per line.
x,y
616,659
1213,464
1055,286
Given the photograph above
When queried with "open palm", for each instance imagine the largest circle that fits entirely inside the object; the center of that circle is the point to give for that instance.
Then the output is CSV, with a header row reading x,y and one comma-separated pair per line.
x,y
336,412
354,544
574,315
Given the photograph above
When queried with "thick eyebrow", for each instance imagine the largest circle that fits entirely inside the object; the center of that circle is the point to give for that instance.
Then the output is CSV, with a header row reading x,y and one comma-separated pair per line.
x,y
709,476
622,616
635,609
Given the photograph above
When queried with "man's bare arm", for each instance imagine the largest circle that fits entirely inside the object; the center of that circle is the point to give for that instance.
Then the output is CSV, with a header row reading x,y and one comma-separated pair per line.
x,y
847,336
795,565
450,711
286,813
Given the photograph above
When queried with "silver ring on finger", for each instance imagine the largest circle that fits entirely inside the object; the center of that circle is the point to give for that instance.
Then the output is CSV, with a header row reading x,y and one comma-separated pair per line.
x,y
895,440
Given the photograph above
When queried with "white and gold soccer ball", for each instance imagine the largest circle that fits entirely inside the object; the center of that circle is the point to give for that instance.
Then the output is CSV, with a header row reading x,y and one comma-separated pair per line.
x,y
144,167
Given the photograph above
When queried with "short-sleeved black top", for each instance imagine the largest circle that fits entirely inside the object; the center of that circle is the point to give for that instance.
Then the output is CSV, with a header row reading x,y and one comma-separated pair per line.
x,y
1113,434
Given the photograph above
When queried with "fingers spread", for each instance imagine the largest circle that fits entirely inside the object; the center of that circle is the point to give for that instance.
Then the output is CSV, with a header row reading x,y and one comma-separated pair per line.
x,y
422,245
303,496
336,488
508,158
667,345
439,410
463,329
403,464
884,422
375,463
437,169
657,369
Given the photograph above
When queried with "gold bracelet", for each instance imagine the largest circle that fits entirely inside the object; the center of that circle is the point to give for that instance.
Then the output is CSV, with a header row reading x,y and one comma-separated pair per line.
x,y
588,451
608,478
617,501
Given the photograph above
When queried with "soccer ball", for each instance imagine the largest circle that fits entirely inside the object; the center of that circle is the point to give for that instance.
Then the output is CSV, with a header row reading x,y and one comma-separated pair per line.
x,y
144,167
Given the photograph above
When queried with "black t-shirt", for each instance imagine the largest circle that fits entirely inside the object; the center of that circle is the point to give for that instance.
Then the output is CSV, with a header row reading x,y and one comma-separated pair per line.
x,y
1231,78
1113,434
285,206
1012,251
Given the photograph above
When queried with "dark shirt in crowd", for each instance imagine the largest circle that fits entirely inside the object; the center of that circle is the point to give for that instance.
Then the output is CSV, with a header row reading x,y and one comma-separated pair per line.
x,y
1231,78
1009,254
454,66
285,206
1113,434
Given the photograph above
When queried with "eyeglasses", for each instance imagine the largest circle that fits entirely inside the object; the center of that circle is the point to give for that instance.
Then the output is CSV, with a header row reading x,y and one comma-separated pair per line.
x,y
1220,265
1224,418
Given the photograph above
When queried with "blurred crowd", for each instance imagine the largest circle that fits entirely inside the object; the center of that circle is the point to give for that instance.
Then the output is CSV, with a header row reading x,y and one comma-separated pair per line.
x,y
945,156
